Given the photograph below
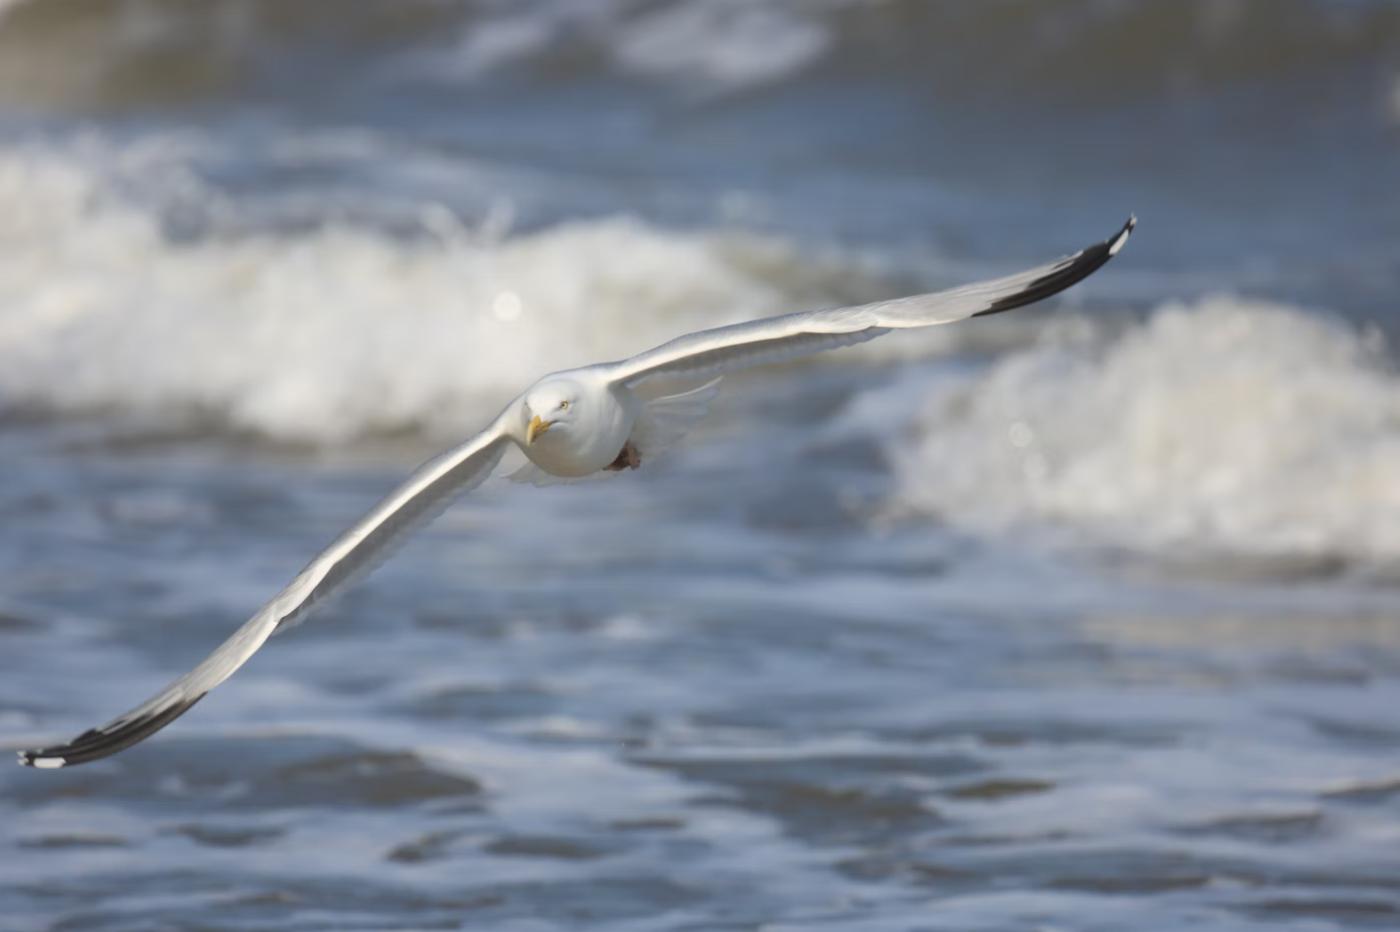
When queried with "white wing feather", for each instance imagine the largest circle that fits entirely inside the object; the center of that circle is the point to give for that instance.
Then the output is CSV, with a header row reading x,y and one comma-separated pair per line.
x,y
421,498
756,342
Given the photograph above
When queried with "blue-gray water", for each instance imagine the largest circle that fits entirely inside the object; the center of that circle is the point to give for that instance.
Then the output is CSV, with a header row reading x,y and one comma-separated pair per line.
x,y
1080,618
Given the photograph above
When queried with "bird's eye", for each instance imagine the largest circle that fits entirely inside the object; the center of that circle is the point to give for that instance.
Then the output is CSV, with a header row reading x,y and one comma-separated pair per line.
x,y
563,406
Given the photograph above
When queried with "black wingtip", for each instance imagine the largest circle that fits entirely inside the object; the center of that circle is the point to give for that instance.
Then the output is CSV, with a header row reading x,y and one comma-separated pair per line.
x,y
1117,242
1069,272
97,743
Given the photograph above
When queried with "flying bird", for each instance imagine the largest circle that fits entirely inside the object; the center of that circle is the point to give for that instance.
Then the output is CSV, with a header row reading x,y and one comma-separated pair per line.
x,y
572,424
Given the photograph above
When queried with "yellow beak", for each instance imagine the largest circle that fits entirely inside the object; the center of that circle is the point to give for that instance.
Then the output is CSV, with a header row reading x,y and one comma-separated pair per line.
x,y
536,428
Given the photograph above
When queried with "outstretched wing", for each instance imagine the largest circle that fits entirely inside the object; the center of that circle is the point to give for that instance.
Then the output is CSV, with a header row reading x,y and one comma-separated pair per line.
x,y
420,499
739,346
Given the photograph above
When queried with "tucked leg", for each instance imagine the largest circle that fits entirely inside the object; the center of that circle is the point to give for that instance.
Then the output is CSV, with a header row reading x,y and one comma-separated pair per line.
x,y
628,458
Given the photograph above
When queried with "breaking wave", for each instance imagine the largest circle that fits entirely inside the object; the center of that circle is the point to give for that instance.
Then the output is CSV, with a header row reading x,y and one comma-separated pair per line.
x,y
132,52
324,334
1225,427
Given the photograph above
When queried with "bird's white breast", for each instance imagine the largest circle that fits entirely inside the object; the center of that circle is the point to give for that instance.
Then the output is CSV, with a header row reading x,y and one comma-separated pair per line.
x,y
592,439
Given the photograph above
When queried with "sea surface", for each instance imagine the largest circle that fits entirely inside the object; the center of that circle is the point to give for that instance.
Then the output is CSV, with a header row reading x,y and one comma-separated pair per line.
x,y
1081,618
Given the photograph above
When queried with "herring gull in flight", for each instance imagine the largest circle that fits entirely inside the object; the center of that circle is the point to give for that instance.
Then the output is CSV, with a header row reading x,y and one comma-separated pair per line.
x,y
572,424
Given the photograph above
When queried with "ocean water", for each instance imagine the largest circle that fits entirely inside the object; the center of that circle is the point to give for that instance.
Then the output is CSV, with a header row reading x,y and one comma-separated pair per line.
x,y
1084,617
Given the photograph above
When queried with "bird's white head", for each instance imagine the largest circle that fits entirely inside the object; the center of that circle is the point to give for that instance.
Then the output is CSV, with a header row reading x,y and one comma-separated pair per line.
x,y
552,404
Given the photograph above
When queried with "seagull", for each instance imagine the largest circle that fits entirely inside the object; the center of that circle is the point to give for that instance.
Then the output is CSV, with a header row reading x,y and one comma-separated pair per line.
x,y
607,417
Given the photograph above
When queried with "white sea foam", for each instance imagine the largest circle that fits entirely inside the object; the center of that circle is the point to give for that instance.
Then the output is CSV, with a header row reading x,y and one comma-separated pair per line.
x,y
1229,426
725,46
342,330
135,52
718,46
745,44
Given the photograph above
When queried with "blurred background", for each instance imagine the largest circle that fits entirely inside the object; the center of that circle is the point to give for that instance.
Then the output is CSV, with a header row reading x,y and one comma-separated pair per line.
x,y
1082,617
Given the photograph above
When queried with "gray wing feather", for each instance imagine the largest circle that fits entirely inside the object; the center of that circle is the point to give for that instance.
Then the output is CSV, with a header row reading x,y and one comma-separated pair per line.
x,y
773,339
421,498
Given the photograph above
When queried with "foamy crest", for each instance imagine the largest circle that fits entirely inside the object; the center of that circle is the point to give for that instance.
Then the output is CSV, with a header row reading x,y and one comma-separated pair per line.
x,y
746,44
105,53
1077,46
344,330
1229,426
717,46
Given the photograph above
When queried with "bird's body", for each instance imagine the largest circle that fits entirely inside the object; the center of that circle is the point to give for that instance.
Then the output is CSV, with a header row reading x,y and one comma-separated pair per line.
x,y
571,425
586,436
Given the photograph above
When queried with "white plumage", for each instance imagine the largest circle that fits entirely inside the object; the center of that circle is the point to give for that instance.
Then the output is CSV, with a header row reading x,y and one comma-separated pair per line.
x,y
570,425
